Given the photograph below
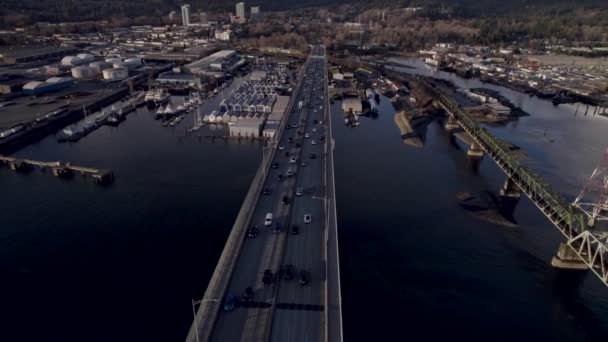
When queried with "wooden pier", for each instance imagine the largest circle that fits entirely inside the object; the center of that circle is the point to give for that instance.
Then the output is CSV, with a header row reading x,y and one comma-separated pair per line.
x,y
58,168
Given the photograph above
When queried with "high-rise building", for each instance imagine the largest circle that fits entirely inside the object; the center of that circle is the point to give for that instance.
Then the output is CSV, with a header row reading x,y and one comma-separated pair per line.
x,y
185,15
240,13
255,10
203,17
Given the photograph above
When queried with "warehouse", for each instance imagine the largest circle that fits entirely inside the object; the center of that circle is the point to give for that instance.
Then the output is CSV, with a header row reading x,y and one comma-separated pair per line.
x,y
52,84
246,128
31,54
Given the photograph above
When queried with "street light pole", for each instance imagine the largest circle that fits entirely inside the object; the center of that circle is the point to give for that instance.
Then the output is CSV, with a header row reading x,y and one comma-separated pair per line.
x,y
194,316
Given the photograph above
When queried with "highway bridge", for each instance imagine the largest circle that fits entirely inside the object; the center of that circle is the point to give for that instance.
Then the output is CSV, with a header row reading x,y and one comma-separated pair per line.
x,y
278,279
583,249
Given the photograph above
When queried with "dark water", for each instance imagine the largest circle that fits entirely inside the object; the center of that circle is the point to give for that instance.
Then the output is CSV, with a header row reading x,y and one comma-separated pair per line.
x,y
414,264
81,262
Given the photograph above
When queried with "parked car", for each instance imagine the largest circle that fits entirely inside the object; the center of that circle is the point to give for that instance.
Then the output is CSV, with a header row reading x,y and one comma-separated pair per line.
x,y
307,218
295,230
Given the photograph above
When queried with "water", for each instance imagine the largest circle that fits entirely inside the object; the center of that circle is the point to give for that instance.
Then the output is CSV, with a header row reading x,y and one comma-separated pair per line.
x,y
122,263
414,264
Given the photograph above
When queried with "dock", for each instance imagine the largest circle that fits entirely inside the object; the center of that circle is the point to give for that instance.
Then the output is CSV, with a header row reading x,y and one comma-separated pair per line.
x,y
58,168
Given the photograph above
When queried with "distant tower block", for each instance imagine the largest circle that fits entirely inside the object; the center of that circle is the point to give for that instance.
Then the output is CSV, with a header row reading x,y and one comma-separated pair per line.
x,y
186,15
593,199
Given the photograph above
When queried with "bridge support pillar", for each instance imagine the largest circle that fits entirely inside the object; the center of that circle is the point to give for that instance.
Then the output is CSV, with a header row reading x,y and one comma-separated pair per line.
x,y
566,259
510,189
475,151
452,123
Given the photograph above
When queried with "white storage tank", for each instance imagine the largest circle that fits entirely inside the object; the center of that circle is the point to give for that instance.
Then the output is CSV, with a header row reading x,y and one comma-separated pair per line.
x,y
84,72
100,66
71,60
115,74
85,57
113,60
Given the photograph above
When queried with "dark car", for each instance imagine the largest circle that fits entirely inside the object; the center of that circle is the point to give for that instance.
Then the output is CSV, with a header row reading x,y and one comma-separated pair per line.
x,y
285,200
290,139
280,178
267,278
288,272
267,191
304,278
247,296
275,165
230,303
322,138
286,153
277,229
313,156
315,121
295,230
253,232
298,145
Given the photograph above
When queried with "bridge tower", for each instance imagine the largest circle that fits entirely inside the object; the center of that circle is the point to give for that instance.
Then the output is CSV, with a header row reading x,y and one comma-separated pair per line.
x,y
593,199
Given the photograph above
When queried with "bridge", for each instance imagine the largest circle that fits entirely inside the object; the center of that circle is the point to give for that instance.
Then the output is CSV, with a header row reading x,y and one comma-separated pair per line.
x,y
583,249
278,278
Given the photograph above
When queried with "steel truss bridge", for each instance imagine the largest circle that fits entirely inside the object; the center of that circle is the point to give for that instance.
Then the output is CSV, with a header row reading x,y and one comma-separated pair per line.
x,y
588,246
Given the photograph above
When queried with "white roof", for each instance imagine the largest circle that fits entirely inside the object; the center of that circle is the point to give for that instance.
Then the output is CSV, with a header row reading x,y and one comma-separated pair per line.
x,y
32,85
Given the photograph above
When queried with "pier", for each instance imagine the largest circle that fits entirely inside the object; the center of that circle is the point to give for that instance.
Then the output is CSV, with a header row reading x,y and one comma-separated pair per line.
x,y
58,168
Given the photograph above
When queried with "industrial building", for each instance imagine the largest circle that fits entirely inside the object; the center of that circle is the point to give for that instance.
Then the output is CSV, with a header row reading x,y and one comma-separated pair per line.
x,y
216,64
352,105
16,55
52,84
12,83
172,78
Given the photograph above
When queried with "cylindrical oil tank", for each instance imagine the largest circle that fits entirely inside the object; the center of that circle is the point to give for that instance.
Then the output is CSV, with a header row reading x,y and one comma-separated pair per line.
x,y
113,60
84,72
115,74
100,66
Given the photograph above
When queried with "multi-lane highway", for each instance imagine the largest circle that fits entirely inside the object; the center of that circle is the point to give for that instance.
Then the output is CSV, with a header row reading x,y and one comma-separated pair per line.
x,y
288,304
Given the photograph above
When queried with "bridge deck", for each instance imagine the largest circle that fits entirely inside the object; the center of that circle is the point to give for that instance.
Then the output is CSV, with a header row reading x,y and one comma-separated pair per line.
x,y
284,310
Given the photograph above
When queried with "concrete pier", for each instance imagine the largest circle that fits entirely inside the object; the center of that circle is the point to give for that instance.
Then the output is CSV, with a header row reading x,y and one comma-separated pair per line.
x,y
452,123
58,168
475,151
567,259
510,189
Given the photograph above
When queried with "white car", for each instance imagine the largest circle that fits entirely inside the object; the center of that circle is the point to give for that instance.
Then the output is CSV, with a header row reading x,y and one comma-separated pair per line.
x,y
299,192
268,220
313,142
306,135
292,160
307,218
281,147
314,130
